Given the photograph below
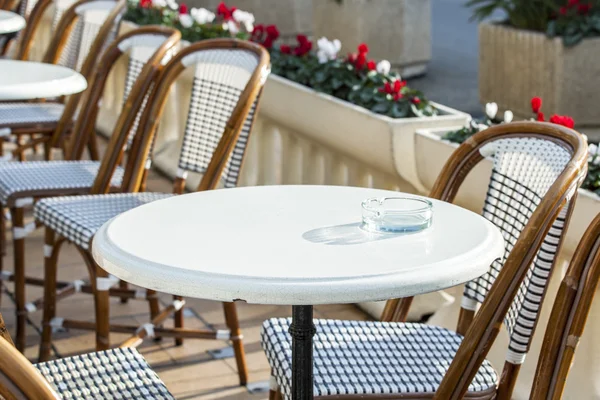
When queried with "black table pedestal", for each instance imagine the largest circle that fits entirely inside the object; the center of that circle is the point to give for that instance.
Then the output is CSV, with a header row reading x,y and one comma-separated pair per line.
x,y
302,331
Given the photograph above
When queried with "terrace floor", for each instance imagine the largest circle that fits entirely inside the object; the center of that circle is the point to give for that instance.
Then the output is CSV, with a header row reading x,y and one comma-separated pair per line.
x,y
189,371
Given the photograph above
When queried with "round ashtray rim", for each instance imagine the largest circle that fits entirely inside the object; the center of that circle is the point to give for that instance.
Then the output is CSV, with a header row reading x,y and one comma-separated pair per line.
x,y
427,204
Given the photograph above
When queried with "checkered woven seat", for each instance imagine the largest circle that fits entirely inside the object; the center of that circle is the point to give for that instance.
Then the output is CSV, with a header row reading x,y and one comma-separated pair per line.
x,y
46,178
366,357
77,218
12,114
113,374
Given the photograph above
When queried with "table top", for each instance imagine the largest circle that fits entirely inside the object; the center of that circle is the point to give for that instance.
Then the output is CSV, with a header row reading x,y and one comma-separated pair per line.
x,y
290,245
10,22
28,80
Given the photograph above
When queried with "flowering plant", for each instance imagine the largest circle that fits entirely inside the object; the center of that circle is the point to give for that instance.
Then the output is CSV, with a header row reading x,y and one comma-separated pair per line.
x,y
195,24
352,78
592,180
572,20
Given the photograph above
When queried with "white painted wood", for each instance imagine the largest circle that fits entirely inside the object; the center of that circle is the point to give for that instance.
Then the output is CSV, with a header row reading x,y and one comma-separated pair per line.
x,y
290,245
27,80
10,22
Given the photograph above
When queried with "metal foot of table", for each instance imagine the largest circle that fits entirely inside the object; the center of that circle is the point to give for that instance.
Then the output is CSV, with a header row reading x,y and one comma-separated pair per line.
x,y
302,331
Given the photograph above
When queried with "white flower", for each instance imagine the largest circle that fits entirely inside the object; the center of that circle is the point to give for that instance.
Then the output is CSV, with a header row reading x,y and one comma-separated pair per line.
x,y
383,67
231,26
202,15
508,116
327,50
173,5
186,20
159,3
245,18
491,109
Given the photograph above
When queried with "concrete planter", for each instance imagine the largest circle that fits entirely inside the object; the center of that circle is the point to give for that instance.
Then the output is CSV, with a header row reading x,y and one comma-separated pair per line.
x,y
516,65
395,30
290,16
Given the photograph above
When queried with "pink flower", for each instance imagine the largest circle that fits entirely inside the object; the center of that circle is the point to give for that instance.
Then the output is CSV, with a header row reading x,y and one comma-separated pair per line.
x,y
183,9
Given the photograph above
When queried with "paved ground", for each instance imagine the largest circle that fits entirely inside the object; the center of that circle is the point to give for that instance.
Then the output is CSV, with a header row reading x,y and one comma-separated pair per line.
x,y
452,78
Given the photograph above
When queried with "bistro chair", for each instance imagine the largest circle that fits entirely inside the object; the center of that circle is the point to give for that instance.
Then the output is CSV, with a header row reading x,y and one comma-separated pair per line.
x,y
568,317
117,373
23,183
228,78
84,31
537,168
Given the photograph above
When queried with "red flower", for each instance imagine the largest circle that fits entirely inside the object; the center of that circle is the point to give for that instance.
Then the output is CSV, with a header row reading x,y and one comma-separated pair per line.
x,y
563,11
562,120
363,48
397,96
398,85
272,32
146,3
183,9
540,117
304,45
224,11
302,39
536,104
387,88
584,8
572,3
371,66
267,43
351,58
361,60
285,49
416,100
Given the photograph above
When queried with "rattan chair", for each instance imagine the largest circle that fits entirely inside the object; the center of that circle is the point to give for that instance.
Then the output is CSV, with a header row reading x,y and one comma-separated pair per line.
x,y
228,78
84,31
536,171
120,373
22,183
568,317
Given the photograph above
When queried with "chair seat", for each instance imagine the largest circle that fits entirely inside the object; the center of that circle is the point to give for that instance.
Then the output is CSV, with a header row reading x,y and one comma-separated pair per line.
x,y
48,178
366,357
113,374
78,218
16,114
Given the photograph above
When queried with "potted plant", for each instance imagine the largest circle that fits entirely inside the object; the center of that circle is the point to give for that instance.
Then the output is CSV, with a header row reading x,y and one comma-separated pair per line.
x,y
396,30
546,48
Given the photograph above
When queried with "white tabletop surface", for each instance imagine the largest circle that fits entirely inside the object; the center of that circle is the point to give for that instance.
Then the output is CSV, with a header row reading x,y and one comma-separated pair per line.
x,y
10,22
291,245
27,80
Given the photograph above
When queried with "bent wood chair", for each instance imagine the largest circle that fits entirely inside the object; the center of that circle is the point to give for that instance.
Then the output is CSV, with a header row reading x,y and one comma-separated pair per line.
x,y
23,183
228,78
84,31
121,373
568,317
25,9
536,171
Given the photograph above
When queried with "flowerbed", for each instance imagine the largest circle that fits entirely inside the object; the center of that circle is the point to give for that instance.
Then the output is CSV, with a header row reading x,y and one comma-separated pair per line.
x,y
573,20
353,78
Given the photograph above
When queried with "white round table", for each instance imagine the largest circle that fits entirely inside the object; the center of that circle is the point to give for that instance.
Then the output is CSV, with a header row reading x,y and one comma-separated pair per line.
x,y
10,22
28,80
291,245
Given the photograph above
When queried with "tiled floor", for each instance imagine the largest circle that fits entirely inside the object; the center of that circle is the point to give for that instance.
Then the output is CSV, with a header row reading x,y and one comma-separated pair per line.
x,y
189,371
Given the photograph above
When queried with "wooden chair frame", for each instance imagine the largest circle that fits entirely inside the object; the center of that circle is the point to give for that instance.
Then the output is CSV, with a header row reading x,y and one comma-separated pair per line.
x,y
568,317
480,330
84,127
133,181
52,134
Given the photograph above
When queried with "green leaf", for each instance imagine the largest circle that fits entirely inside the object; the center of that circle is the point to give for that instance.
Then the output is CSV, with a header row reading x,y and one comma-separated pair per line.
x,y
572,40
551,29
381,108
336,83
320,77
366,96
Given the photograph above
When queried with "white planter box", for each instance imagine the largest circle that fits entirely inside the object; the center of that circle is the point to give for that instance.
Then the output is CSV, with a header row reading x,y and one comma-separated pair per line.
x,y
394,30
516,65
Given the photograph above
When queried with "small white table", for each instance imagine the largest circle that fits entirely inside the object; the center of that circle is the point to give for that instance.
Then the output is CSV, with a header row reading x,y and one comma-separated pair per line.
x,y
291,245
10,22
28,80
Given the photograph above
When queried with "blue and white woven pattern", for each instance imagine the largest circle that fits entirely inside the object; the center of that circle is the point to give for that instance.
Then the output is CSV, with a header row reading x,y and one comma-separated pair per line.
x,y
220,78
21,179
78,218
113,374
365,357
12,114
523,171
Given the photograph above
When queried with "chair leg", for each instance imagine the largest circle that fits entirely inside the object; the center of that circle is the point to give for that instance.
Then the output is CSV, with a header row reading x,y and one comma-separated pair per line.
x,y
232,322
19,273
154,307
102,309
178,321
93,146
124,285
50,272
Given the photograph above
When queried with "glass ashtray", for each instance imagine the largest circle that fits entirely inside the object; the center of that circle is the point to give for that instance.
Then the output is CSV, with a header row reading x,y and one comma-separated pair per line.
x,y
396,214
